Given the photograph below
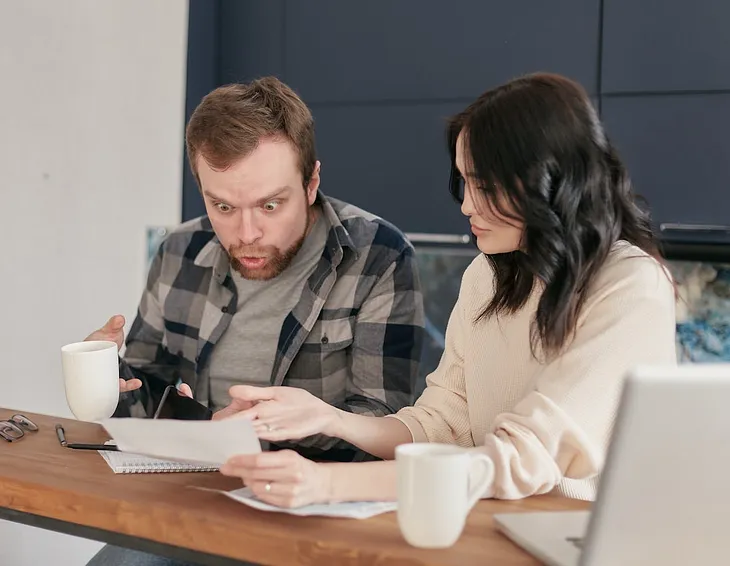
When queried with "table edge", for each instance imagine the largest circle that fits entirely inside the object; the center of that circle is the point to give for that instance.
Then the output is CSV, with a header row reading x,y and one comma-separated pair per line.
x,y
115,538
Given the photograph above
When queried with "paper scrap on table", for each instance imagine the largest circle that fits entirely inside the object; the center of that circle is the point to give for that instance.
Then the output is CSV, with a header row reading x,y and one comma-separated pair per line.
x,y
205,442
350,510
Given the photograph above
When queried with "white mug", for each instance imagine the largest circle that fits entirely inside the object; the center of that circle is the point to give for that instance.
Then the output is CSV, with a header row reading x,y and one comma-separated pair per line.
x,y
435,494
91,379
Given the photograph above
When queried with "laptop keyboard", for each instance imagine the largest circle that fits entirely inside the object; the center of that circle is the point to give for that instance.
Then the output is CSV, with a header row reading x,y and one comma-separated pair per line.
x,y
576,541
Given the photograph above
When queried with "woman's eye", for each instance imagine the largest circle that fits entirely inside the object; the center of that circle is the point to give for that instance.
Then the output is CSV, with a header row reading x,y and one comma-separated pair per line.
x,y
271,206
223,207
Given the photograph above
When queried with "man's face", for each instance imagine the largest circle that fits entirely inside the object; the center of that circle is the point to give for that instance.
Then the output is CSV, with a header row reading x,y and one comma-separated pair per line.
x,y
259,209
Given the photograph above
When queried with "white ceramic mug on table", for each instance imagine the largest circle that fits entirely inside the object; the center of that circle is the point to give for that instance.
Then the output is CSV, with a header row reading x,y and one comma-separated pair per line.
x,y
91,379
435,492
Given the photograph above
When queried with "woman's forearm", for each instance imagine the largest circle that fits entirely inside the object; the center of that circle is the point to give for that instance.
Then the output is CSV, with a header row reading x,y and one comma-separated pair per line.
x,y
375,435
362,481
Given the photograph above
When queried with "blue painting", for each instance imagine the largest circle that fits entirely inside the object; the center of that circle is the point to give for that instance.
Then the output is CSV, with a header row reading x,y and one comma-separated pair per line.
x,y
703,311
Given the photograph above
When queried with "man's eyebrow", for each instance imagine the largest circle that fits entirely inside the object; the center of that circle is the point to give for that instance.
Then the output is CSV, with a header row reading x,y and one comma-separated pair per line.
x,y
273,195
211,195
259,202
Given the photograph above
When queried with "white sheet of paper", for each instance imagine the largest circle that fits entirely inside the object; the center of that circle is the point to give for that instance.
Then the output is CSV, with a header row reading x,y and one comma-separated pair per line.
x,y
208,442
349,510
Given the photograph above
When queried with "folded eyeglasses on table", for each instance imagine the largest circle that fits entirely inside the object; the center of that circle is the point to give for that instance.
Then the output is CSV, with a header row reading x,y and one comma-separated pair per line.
x,y
15,427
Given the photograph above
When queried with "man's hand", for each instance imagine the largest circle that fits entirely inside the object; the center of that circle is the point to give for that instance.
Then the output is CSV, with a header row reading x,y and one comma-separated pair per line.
x,y
113,331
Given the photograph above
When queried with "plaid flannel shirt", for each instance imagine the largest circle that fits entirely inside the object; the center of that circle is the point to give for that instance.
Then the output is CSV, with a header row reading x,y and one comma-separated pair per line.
x,y
354,338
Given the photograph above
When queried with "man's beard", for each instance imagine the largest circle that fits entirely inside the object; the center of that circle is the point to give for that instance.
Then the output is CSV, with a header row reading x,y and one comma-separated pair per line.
x,y
276,260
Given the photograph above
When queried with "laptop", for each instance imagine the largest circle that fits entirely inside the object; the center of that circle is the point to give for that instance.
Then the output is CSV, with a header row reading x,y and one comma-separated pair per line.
x,y
664,495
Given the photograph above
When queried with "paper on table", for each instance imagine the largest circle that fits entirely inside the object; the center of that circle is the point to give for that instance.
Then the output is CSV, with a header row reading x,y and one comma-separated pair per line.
x,y
351,510
208,442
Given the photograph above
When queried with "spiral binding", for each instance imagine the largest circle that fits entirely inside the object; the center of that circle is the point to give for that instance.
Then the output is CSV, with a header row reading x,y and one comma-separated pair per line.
x,y
162,467
123,463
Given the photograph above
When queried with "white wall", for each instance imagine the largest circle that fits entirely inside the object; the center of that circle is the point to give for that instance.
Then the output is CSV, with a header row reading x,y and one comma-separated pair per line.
x,y
91,138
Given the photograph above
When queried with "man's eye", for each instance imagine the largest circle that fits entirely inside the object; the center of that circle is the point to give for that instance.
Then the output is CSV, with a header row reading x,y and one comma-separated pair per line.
x,y
271,206
223,207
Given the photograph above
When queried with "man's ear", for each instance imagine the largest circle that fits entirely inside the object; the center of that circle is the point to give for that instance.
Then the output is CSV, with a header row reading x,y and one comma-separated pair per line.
x,y
313,185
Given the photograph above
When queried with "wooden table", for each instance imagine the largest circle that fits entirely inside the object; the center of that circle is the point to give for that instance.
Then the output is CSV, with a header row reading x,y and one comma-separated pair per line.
x,y
75,492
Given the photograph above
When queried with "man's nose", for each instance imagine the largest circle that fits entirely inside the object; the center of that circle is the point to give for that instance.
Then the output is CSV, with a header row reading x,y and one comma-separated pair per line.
x,y
249,231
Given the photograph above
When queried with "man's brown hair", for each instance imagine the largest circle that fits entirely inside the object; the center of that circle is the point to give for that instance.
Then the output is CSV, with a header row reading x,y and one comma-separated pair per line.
x,y
230,121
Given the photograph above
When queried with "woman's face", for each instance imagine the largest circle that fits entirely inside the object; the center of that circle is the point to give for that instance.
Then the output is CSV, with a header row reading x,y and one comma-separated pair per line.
x,y
495,234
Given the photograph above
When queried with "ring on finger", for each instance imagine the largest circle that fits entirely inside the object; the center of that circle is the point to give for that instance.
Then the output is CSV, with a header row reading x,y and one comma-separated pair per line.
x,y
267,487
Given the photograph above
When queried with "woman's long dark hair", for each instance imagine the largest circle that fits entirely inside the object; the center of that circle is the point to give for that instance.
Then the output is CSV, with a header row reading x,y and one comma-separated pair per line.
x,y
540,156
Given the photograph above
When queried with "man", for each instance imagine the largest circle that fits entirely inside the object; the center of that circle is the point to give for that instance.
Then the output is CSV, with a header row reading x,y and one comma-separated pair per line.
x,y
277,284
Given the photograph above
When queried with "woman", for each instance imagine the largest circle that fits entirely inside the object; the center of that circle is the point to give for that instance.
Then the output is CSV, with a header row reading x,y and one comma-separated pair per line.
x,y
567,295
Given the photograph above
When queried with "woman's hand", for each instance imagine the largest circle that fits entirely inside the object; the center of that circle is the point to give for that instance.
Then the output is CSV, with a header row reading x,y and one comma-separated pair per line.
x,y
282,478
236,405
284,413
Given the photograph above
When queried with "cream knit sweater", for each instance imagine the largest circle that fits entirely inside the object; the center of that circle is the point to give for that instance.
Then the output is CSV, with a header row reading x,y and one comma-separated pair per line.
x,y
545,426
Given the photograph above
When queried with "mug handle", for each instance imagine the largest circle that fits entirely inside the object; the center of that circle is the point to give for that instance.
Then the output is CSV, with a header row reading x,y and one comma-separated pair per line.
x,y
479,487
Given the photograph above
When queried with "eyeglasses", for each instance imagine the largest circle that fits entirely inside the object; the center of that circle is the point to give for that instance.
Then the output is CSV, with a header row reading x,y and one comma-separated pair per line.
x,y
14,428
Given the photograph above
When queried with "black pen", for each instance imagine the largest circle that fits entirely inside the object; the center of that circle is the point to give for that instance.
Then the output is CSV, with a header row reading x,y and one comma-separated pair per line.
x,y
62,440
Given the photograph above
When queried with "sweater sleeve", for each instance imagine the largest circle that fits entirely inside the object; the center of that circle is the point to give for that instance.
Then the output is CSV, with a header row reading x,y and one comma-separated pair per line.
x,y
441,413
561,428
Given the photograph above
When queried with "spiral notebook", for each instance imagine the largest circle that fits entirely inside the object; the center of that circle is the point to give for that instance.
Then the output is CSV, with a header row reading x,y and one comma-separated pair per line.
x,y
126,463
167,445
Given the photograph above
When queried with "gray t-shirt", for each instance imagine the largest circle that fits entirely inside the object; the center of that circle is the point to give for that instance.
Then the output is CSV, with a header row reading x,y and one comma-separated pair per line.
x,y
245,353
